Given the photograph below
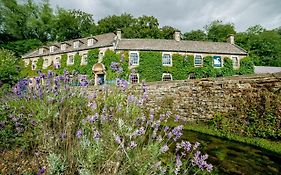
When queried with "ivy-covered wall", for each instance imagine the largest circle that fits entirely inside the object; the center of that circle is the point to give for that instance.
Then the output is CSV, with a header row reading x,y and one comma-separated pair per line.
x,y
150,66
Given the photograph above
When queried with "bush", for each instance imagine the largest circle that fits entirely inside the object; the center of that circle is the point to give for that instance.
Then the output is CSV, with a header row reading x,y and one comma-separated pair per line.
x,y
109,131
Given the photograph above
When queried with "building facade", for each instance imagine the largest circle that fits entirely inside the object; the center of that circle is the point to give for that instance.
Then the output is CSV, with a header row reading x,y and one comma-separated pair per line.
x,y
52,54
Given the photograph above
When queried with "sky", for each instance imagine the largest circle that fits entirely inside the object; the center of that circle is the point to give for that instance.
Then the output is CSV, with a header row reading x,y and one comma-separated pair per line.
x,y
186,15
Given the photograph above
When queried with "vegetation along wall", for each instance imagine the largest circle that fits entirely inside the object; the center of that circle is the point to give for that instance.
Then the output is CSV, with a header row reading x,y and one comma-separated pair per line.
x,y
150,66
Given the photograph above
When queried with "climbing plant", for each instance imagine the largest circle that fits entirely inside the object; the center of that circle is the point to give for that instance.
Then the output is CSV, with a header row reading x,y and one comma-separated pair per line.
x,y
246,66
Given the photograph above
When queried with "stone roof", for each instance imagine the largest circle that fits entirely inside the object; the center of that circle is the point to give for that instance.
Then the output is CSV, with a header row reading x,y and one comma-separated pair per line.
x,y
103,40
183,45
266,69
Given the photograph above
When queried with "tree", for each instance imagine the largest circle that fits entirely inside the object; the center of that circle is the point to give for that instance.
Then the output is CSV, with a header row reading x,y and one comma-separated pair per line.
x,y
9,67
195,35
167,32
71,24
218,32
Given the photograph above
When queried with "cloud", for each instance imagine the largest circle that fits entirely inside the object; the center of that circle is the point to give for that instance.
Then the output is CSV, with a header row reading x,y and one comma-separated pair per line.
x,y
186,15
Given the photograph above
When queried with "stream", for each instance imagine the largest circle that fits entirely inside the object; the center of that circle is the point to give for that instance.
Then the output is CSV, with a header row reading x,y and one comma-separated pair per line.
x,y
235,158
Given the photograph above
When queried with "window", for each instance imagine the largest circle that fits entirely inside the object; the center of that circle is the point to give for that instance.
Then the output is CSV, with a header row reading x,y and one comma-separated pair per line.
x,y
84,59
63,47
52,48
101,54
57,63
235,61
41,50
134,78
90,42
76,44
70,60
134,58
46,63
217,61
166,59
33,65
198,61
166,77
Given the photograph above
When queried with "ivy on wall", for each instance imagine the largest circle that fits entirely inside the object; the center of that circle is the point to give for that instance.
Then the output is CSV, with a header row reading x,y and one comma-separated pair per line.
x,y
150,66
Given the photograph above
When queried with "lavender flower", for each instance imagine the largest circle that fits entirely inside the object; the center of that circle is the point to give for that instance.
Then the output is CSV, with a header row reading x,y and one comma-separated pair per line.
x,y
196,145
178,164
164,148
79,133
63,136
97,135
118,139
177,117
186,145
177,132
166,128
41,171
133,144
200,161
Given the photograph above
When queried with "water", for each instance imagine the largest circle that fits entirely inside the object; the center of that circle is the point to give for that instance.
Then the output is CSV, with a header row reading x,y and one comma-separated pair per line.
x,y
230,157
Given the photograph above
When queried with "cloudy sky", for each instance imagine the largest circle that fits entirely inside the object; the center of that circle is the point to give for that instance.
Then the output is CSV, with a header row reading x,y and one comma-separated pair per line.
x,y
186,15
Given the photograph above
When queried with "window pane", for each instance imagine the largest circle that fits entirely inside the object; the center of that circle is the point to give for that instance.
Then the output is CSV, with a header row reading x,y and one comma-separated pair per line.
x,y
167,77
134,78
134,58
235,61
166,59
198,60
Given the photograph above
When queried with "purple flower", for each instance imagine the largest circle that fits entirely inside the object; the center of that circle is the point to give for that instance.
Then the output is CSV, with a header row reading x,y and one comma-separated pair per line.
x,y
63,136
79,133
178,164
118,139
186,145
196,145
133,144
177,118
200,161
97,135
164,148
177,132
94,118
166,128
41,171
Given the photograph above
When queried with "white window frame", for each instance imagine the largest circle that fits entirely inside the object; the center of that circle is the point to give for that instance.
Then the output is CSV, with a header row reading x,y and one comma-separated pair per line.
x,y
41,50
83,58
68,59
34,62
238,61
164,74
52,49
136,75
221,61
130,59
171,58
63,46
202,62
90,41
76,44
45,63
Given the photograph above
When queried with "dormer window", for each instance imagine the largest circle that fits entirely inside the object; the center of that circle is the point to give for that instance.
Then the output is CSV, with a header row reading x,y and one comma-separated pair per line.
x,y
76,44
90,41
52,49
63,46
41,50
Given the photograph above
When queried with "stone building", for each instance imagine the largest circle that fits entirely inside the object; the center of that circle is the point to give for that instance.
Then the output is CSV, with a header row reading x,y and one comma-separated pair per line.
x,y
51,54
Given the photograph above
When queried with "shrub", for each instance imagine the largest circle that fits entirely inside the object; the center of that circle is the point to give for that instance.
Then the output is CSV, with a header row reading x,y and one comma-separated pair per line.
x,y
109,131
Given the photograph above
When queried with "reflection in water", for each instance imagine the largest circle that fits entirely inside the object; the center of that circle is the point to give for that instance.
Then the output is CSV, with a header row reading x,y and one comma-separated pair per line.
x,y
232,157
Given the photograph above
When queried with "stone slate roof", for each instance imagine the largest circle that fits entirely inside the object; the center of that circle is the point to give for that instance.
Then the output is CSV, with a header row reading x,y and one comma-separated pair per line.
x,y
183,45
266,69
103,40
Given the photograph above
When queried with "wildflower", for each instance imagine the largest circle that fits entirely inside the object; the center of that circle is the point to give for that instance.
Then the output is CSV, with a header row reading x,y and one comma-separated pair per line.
x,y
166,128
177,132
177,117
97,135
200,161
178,164
133,144
186,145
63,136
79,133
118,139
164,148
94,118
93,105
41,171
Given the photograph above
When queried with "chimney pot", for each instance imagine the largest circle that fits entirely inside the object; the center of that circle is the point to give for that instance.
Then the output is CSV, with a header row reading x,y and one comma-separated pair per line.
x,y
231,39
119,34
177,35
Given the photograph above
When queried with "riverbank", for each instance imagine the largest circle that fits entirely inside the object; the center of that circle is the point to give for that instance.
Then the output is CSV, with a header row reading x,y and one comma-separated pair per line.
x,y
268,145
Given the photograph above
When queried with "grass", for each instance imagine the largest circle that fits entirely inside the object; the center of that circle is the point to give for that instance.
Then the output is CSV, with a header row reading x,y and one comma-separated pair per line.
x,y
272,146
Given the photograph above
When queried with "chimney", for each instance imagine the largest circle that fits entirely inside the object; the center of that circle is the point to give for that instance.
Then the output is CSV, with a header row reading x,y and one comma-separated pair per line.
x,y
119,34
230,39
177,35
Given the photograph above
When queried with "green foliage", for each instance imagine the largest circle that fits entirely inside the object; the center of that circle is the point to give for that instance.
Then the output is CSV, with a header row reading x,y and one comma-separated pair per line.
x,y
253,116
93,56
108,58
39,64
9,67
246,66
195,35
150,66
182,66
217,31
227,69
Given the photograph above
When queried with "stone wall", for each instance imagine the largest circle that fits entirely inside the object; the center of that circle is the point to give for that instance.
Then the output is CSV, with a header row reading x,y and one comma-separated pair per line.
x,y
201,99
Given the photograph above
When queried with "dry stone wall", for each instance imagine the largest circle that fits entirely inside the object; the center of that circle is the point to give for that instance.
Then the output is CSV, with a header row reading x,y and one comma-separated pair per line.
x,y
201,99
